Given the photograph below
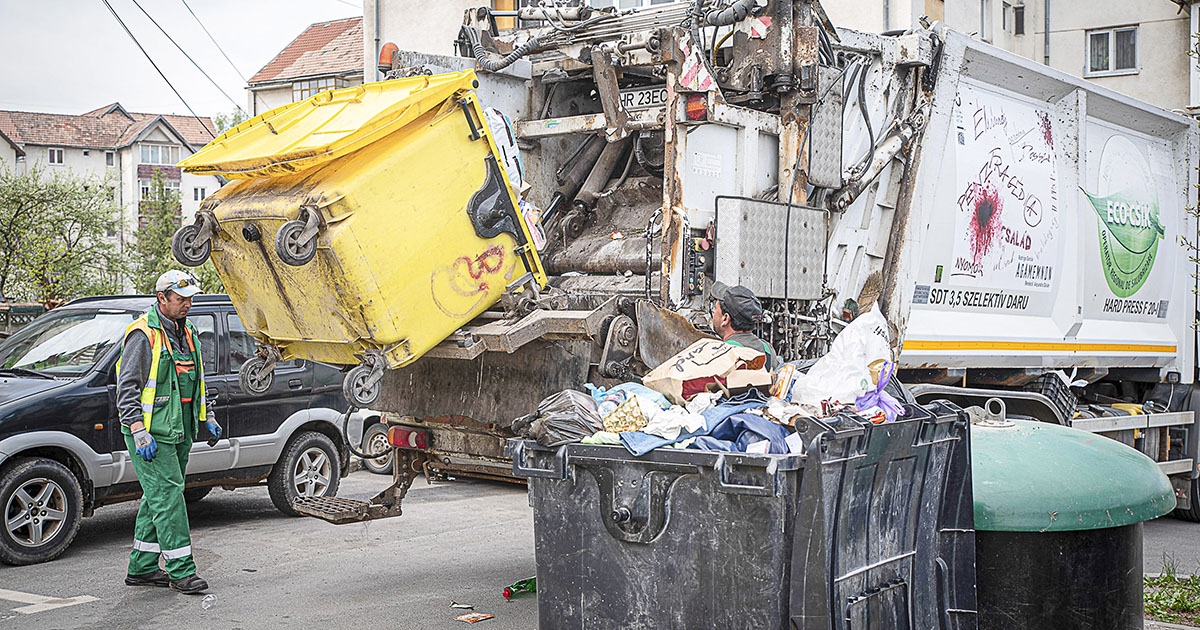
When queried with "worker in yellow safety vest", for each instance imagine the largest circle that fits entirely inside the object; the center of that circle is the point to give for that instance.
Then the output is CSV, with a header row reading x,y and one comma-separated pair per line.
x,y
161,404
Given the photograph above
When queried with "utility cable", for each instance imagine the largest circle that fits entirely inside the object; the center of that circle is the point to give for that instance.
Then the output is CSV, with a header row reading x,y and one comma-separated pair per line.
x,y
214,41
189,57
156,68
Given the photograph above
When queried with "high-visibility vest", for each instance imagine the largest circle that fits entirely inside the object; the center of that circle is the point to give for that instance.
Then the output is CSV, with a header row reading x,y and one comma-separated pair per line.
x,y
158,341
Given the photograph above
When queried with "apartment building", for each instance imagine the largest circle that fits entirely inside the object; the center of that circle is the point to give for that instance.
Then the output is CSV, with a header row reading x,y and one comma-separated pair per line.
x,y
112,142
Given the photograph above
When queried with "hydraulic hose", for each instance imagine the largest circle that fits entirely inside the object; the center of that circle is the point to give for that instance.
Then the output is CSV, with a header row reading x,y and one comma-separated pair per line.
x,y
481,55
345,425
731,14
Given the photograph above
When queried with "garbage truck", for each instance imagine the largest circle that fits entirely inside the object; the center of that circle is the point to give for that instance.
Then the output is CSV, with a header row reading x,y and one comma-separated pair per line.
x,y
1026,234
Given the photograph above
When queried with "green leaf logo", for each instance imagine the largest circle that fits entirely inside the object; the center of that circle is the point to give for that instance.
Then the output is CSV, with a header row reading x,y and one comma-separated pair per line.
x,y
1128,222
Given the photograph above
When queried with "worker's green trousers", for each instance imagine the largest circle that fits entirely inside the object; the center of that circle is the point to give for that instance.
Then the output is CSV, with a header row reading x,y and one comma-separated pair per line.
x,y
162,520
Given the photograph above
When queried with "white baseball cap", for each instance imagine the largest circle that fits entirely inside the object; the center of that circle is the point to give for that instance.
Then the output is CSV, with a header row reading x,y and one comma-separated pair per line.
x,y
178,282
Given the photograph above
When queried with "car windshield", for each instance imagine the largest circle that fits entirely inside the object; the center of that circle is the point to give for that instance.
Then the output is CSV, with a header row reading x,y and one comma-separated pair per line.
x,y
64,343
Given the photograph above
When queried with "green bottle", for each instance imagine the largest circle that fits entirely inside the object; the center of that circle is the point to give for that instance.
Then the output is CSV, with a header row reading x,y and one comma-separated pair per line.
x,y
528,585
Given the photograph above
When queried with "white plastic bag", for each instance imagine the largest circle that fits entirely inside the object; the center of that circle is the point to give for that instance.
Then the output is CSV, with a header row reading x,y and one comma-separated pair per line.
x,y
844,374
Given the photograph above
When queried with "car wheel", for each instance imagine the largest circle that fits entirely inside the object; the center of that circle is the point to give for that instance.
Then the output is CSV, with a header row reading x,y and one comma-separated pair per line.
x,y
375,441
309,467
42,509
193,495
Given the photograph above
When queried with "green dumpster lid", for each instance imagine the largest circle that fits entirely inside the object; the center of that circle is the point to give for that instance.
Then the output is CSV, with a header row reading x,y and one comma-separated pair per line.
x,y
1035,477
324,126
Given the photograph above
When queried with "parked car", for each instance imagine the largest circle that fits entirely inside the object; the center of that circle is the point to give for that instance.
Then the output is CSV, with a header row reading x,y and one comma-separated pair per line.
x,y
62,454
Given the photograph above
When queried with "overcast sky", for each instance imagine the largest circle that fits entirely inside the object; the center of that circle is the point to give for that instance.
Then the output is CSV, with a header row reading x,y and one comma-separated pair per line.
x,y
72,56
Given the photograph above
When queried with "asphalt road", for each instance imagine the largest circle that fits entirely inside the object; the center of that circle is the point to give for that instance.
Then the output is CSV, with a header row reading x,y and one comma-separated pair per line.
x,y
461,541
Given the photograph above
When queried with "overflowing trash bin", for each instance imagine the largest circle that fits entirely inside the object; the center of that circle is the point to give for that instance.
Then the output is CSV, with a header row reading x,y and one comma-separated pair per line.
x,y
869,527
380,217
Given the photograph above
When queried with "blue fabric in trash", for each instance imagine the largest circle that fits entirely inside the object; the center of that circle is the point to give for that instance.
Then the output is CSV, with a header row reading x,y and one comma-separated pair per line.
x,y
599,393
639,443
740,430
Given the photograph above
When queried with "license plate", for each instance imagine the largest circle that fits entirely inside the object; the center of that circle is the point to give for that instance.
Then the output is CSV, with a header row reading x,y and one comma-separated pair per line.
x,y
636,99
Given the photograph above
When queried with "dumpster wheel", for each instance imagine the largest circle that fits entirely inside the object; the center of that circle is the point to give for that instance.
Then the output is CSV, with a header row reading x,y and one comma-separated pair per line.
x,y
186,249
363,385
255,376
292,245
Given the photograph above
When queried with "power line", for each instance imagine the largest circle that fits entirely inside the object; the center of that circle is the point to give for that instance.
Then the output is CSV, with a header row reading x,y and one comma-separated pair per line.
x,y
189,57
214,41
357,6
156,68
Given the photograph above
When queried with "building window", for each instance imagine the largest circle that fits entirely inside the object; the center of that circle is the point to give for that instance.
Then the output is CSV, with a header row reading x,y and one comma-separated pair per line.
x,y
1018,20
146,184
54,156
1112,51
198,194
160,154
304,89
110,158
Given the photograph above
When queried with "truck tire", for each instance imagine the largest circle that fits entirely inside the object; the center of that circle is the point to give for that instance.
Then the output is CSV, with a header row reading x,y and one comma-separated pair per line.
x,y
1193,513
374,440
42,507
194,495
309,467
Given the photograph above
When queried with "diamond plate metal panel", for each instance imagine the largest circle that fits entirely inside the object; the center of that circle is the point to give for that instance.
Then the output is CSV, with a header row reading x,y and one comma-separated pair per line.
x,y
750,244
825,132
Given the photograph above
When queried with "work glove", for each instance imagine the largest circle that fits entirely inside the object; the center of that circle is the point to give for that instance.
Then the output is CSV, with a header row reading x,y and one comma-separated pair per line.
x,y
145,444
215,430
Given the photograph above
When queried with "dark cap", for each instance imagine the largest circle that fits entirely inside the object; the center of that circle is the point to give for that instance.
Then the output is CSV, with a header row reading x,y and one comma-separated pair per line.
x,y
738,302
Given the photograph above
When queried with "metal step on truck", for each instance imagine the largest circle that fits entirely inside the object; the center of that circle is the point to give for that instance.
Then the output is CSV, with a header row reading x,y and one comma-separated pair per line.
x,y
1024,231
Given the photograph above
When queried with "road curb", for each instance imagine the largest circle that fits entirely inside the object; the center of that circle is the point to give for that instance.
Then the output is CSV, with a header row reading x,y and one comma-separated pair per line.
x,y
1162,625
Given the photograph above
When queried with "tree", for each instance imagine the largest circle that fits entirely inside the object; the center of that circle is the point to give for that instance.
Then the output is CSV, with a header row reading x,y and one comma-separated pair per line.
x,y
55,235
151,255
225,122
159,216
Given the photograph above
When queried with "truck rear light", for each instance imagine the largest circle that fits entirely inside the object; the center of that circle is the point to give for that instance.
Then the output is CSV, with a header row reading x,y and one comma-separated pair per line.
x,y
696,106
401,437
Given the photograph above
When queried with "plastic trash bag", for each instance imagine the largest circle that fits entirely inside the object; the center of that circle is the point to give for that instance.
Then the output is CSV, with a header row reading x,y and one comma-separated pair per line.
x,y
877,400
844,373
618,393
562,418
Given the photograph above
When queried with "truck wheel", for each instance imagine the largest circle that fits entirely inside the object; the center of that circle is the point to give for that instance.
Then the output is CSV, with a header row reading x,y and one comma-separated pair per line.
x,y
1193,513
185,248
249,379
375,441
194,495
289,248
356,390
43,507
309,467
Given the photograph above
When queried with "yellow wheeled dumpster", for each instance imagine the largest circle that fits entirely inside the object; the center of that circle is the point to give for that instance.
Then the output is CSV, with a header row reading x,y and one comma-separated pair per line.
x,y
362,226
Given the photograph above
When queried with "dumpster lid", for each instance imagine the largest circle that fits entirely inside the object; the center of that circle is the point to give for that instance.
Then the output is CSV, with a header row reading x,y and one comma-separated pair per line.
x,y
1037,477
324,126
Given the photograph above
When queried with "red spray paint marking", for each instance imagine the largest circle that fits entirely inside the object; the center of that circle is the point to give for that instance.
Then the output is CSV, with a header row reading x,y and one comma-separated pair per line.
x,y
490,261
1047,135
985,224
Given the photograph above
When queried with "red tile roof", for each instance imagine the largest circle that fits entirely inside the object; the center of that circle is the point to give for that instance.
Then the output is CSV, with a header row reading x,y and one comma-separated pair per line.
x,y
323,49
107,127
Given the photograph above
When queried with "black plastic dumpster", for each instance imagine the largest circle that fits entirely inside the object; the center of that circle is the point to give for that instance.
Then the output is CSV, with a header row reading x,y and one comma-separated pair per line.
x,y
1059,513
878,535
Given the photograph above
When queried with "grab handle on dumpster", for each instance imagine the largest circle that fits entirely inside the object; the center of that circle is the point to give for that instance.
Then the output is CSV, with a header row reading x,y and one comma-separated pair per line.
x,y
768,489
466,109
558,469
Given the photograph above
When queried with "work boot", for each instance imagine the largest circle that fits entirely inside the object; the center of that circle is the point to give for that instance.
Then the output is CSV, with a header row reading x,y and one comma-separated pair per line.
x,y
189,585
158,578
